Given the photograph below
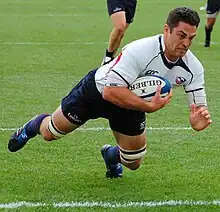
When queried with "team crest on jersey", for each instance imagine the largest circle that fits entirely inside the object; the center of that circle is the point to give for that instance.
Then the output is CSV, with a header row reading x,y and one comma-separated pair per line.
x,y
180,80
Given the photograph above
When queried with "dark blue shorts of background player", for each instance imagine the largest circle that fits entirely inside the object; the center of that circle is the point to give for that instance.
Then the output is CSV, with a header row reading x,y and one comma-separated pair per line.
x,y
128,6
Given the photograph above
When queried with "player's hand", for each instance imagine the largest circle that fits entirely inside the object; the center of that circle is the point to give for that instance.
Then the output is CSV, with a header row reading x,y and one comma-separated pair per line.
x,y
159,102
200,117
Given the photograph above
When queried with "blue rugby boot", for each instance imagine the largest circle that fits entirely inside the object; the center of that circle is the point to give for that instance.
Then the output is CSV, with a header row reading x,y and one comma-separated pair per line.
x,y
18,139
26,132
114,170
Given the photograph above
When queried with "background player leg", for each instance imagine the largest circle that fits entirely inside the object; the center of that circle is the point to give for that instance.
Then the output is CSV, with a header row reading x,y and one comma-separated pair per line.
x,y
212,11
208,30
119,28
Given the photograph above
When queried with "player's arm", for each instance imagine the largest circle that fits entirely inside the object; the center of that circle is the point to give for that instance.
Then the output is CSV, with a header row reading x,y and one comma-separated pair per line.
x,y
123,97
127,67
199,117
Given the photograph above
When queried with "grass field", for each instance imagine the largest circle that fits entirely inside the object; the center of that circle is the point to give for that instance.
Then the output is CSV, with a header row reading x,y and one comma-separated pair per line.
x,y
46,46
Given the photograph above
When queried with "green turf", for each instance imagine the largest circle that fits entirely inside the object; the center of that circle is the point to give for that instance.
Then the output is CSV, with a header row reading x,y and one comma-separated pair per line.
x,y
180,164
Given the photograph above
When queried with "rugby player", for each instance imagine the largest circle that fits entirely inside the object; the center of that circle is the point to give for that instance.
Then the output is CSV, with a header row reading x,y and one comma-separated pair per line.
x,y
104,92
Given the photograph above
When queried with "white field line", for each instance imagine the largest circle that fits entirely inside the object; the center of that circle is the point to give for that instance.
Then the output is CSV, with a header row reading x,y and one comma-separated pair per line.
x,y
107,128
212,42
47,43
46,15
111,204
70,43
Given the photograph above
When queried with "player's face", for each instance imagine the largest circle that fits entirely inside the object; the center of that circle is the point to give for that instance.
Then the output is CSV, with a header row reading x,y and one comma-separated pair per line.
x,y
179,40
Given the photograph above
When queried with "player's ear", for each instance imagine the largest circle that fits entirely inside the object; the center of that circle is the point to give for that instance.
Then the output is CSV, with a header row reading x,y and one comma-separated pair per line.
x,y
166,29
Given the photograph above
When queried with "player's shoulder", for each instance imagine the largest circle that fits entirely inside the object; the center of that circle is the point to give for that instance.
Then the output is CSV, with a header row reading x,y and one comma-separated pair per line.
x,y
152,40
193,62
141,45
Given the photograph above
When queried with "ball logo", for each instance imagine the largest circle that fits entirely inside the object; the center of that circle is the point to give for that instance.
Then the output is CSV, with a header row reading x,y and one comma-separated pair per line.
x,y
145,84
146,87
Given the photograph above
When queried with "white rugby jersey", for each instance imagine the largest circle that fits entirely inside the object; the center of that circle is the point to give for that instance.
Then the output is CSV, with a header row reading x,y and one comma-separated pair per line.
x,y
146,57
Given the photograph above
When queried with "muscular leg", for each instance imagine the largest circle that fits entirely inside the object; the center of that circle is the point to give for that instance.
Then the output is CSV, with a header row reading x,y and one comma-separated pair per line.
x,y
208,30
128,148
50,127
116,35
119,28
129,152
61,125
210,22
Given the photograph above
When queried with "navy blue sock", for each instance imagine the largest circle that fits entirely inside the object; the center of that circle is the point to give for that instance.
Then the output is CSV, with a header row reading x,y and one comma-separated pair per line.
x,y
33,126
113,155
208,31
109,54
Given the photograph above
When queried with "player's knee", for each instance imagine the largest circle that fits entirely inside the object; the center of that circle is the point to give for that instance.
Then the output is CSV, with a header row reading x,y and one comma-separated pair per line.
x,y
135,165
47,136
211,22
120,28
132,158
49,131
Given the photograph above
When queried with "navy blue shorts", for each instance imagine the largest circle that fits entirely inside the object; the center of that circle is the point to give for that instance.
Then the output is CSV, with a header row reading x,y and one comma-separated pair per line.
x,y
129,6
84,102
213,6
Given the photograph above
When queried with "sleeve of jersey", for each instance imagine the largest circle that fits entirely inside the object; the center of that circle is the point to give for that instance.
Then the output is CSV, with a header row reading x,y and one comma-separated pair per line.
x,y
196,90
124,71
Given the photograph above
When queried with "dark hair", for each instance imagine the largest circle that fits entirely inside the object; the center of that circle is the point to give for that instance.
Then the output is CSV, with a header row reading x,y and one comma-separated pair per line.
x,y
183,14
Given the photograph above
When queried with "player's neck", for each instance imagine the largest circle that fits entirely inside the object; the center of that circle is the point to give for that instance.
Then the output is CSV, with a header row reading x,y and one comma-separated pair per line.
x,y
170,58
173,60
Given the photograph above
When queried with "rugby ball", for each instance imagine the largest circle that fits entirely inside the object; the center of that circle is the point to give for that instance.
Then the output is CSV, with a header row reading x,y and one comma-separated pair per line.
x,y
145,87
